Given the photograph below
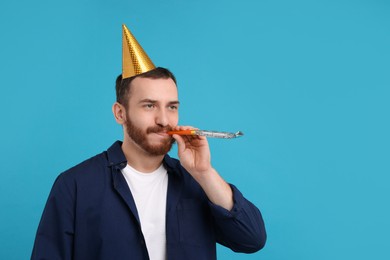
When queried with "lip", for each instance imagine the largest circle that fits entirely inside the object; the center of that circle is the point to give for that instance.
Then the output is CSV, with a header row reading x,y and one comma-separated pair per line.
x,y
162,134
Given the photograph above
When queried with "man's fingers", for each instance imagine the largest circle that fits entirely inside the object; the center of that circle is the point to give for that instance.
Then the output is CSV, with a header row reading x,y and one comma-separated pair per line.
x,y
180,143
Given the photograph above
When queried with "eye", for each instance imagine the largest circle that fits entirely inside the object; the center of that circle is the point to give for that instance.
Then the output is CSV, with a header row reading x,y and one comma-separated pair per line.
x,y
173,107
149,106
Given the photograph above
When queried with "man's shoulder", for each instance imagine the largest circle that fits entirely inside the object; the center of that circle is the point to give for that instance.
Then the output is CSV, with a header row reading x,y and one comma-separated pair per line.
x,y
95,164
92,164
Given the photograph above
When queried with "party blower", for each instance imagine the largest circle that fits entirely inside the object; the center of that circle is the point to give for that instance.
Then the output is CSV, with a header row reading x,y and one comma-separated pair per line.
x,y
207,133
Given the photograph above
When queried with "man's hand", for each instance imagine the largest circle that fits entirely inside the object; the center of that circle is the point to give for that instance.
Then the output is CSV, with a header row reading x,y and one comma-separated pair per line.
x,y
193,151
194,154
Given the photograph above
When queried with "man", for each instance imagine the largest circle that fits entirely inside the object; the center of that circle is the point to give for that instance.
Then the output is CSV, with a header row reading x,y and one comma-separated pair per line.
x,y
135,202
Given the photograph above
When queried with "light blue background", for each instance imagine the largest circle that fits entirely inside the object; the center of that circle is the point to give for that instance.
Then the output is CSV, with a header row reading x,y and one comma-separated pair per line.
x,y
307,81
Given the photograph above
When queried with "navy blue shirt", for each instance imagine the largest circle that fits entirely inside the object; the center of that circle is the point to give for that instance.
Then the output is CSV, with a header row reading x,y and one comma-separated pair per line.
x,y
91,214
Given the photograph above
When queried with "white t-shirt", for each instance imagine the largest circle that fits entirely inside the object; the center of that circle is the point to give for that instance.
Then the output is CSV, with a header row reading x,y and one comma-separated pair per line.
x,y
150,195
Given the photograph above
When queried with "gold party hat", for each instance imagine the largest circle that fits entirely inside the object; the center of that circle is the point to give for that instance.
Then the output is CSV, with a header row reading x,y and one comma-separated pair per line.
x,y
134,59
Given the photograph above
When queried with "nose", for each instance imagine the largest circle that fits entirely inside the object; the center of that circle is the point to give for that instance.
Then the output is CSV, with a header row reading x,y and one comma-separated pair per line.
x,y
162,118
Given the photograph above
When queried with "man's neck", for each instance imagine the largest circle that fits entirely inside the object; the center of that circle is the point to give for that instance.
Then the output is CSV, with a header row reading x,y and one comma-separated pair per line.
x,y
139,159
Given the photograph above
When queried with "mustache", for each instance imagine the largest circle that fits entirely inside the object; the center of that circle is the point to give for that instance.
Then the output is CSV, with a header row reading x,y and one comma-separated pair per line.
x,y
158,129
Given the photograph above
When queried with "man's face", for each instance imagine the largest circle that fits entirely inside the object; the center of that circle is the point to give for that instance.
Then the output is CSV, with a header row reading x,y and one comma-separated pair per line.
x,y
152,111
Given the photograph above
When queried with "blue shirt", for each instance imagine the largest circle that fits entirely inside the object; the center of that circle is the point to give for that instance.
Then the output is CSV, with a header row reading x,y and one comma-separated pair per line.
x,y
91,214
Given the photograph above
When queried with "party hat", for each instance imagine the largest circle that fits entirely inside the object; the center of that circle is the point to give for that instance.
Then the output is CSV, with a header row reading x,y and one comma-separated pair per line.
x,y
134,59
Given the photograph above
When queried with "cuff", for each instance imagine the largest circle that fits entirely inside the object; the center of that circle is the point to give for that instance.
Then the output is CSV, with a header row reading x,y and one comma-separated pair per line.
x,y
220,212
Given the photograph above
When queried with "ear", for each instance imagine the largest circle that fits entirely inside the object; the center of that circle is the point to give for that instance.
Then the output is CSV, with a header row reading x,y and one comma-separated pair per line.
x,y
119,112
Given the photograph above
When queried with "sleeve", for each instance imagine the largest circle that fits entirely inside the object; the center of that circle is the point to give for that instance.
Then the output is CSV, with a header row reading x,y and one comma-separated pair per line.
x,y
242,228
54,238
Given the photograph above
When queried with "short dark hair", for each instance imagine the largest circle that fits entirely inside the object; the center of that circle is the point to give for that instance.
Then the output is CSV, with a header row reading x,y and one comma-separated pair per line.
x,y
122,86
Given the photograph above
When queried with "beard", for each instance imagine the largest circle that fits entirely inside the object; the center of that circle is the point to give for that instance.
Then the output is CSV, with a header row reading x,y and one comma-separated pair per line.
x,y
140,138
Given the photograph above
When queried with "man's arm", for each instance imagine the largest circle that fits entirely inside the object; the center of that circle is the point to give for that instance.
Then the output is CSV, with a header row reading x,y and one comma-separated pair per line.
x,y
242,228
239,223
194,154
54,239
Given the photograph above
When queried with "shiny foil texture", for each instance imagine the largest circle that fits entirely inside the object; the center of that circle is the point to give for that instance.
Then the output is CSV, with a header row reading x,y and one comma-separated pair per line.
x,y
134,59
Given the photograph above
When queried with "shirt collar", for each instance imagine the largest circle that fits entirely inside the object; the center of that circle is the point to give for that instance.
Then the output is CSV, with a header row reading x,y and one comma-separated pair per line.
x,y
116,156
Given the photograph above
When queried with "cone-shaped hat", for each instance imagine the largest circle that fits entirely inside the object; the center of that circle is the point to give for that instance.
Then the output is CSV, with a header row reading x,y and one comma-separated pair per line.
x,y
134,59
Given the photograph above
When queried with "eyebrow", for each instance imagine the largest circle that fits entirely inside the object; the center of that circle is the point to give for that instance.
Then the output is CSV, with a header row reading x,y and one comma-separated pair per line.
x,y
147,100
